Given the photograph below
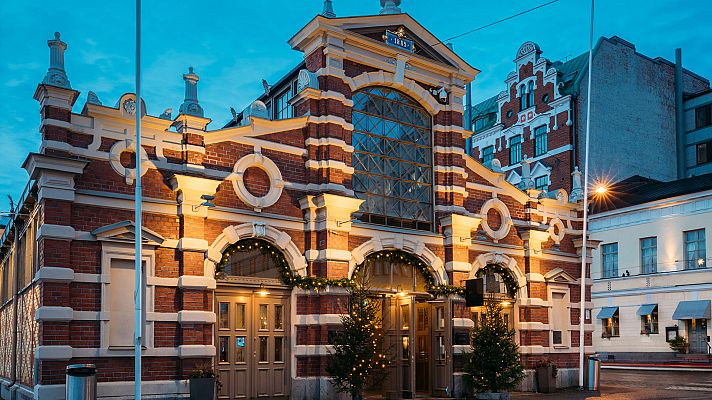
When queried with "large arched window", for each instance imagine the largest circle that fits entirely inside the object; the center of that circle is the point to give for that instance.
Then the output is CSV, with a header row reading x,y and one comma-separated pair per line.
x,y
392,158
391,273
251,258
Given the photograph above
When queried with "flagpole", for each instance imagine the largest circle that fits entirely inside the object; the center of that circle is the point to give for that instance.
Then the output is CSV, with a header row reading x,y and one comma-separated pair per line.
x,y
138,284
584,251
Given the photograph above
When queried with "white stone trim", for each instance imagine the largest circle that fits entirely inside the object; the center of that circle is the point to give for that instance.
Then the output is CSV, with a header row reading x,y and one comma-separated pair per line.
x,y
449,150
51,231
317,319
457,266
53,353
329,141
196,351
328,254
192,244
323,164
54,313
312,350
196,282
196,317
506,219
388,79
55,274
451,189
270,168
129,174
554,225
330,119
463,323
451,169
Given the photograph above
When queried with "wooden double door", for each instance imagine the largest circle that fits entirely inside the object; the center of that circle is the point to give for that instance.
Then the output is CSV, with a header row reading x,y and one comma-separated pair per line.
x,y
697,335
252,341
419,344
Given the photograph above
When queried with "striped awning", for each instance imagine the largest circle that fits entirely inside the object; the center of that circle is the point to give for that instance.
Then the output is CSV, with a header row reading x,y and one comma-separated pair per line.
x,y
693,309
607,312
646,309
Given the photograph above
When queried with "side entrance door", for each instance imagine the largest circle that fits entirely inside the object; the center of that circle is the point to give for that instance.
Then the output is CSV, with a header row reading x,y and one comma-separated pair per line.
x,y
252,340
697,329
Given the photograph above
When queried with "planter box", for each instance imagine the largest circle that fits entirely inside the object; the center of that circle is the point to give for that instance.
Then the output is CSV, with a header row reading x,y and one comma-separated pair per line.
x,y
202,388
546,382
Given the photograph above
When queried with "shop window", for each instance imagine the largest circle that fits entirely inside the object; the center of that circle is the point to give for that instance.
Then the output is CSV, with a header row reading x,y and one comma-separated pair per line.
x,y
695,251
649,322
609,260
515,149
611,326
487,154
703,116
392,158
541,144
649,255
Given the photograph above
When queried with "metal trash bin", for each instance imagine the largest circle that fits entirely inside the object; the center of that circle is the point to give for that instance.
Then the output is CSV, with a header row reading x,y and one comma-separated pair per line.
x,y
593,375
81,382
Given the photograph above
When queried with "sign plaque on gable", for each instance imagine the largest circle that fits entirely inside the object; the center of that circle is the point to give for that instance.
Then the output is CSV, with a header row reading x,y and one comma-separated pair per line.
x,y
399,39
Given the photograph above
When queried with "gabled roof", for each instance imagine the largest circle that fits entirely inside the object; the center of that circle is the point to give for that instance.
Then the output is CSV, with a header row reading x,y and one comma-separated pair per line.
x,y
638,190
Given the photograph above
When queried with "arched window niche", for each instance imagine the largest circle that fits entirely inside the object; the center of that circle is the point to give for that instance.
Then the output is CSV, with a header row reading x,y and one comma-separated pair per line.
x,y
395,272
499,283
254,259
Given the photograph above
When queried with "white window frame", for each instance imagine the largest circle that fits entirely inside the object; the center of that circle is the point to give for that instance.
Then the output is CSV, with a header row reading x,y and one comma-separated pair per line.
x,y
125,251
566,328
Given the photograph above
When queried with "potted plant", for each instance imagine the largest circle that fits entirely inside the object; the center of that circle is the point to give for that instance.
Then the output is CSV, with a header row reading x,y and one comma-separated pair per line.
x,y
679,344
546,373
202,382
492,366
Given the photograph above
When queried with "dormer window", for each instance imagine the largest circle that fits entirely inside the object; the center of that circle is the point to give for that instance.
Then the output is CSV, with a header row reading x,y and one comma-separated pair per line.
x,y
523,97
530,94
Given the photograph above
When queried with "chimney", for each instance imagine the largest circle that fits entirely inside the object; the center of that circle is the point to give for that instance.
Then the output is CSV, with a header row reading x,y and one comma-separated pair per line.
x,y
390,7
679,116
56,75
190,105
328,10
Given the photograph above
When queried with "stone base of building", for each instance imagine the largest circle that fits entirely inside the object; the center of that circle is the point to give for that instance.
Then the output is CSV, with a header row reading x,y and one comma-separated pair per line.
x,y
315,388
163,390
641,356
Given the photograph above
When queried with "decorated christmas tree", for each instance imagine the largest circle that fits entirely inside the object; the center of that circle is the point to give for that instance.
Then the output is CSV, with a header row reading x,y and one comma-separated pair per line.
x,y
358,360
493,365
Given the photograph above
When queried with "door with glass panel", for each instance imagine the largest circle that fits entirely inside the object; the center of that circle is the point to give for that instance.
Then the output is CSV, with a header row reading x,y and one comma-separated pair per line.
x,y
441,343
252,346
697,337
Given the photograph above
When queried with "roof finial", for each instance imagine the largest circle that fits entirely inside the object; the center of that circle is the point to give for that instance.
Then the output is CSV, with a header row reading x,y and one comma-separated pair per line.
x,y
190,105
328,10
56,75
390,7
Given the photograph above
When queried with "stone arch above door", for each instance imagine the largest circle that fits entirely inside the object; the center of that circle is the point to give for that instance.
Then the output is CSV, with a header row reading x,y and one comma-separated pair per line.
x,y
388,79
234,233
434,263
508,262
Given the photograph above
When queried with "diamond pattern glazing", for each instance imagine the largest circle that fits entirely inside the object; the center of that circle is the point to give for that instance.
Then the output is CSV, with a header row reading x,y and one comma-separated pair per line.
x,y
392,158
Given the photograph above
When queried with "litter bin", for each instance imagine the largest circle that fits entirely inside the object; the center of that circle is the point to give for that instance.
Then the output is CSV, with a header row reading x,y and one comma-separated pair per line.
x,y
81,382
594,372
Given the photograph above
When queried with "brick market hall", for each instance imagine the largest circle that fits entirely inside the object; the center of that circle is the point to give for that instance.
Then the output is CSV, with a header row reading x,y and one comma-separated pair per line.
x,y
351,165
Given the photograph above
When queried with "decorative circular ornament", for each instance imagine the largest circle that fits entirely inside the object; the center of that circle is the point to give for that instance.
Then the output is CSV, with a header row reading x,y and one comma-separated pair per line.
x,y
506,219
557,230
272,171
129,174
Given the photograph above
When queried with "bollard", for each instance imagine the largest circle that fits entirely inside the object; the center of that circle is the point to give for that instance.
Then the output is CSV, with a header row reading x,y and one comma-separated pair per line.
x,y
81,382
594,373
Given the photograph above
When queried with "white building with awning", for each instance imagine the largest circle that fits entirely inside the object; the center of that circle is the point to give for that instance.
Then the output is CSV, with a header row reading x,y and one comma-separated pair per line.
x,y
651,272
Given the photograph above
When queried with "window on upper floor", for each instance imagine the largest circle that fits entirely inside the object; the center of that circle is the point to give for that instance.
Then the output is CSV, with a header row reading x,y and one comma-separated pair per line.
x,y
392,159
704,152
611,326
515,149
542,183
283,109
27,253
649,255
703,116
695,251
541,144
649,321
530,93
487,154
6,280
523,98
609,260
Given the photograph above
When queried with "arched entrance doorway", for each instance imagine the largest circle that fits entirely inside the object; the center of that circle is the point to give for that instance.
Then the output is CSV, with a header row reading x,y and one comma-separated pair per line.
x,y
416,324
252,330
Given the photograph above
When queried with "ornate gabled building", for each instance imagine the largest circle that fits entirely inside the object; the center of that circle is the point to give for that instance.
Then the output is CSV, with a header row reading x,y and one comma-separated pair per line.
x,y
252,231
534,131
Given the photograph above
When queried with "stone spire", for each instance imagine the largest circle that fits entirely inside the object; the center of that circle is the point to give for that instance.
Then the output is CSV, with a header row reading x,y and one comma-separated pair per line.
x,y
56,75
390,7
328,10
190,105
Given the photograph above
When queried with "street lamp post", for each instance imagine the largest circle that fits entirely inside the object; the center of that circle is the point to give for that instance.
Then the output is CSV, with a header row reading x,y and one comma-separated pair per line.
x,y
584,250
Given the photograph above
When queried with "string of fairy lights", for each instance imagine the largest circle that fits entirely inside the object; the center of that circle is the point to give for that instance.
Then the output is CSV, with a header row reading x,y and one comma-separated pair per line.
x,y
319,283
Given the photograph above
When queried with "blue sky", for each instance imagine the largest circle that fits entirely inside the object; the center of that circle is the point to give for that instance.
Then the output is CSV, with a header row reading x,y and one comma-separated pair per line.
x,y
234,44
